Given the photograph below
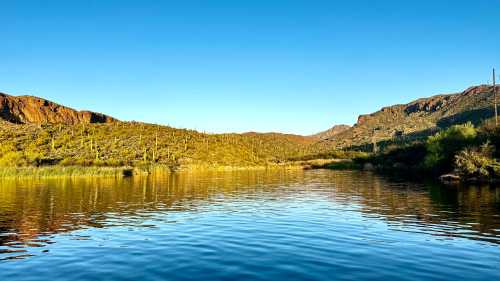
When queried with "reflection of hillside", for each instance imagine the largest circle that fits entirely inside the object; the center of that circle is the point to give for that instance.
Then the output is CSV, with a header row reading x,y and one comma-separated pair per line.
x,y
42,207
31,211
470,212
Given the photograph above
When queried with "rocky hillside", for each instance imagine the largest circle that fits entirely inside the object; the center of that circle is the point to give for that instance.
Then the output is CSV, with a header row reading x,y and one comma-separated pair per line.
x,y
34,110
419,118
333,131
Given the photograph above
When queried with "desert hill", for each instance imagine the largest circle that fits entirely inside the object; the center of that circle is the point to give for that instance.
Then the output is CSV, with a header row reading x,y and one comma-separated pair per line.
x,y
419,118
333,131
35,110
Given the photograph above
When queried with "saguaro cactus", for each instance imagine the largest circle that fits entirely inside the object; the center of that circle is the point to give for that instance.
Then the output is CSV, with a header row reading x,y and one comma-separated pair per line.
x,y
185,143
53,143
96,152
495,97
155,151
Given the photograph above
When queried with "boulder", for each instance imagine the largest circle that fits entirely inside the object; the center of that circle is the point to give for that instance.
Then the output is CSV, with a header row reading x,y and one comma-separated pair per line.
x,y
449,178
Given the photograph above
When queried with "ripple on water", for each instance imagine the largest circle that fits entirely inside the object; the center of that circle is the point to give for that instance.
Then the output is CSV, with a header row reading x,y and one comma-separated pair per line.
x,y
281,225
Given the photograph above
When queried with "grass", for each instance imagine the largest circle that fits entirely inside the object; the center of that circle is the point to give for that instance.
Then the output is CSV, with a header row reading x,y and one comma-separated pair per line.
x,y
60,171
96,171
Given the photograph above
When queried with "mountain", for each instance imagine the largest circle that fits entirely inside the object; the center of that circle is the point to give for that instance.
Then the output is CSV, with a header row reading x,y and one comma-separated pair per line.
x,y
35,110
419,118
333,131
289,137
67,139
131,142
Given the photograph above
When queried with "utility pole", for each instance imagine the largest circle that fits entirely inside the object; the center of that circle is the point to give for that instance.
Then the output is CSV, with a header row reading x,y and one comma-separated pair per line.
x,y
495,97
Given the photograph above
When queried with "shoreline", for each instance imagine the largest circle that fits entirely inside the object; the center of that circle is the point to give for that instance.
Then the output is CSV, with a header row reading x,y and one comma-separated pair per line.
x,y
408,173
130,171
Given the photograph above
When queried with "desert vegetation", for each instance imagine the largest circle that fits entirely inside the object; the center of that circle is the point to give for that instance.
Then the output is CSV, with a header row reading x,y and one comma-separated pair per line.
x,y
436,135
464,150
138,145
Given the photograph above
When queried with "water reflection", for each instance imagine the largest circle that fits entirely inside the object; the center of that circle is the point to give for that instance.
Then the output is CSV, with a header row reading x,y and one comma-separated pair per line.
x,y
455,211
33,211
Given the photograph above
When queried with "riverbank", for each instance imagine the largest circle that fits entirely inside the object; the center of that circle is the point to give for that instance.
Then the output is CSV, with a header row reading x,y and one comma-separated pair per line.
x,y
127,171
461,153
64,171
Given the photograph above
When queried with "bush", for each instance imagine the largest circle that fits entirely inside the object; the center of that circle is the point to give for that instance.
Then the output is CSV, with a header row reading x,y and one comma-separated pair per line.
x,y
333,154
403,156
493,136
34,158
477,162
442,147
13,159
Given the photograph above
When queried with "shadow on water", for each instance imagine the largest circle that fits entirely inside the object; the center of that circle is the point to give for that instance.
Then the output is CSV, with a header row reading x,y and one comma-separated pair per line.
x,y
33,211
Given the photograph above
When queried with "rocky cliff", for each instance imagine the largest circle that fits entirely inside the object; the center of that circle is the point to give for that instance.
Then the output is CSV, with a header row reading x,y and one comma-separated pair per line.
x,y
420,118
34,110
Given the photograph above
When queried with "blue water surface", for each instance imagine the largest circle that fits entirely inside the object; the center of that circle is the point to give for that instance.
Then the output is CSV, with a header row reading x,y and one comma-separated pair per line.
x,y
253,225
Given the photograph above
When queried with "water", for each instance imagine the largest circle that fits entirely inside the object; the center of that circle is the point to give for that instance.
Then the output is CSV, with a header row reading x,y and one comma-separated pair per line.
x,y
281,225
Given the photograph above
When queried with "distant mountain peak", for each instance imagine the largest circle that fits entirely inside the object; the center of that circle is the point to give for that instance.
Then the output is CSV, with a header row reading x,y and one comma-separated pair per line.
x,y
333,131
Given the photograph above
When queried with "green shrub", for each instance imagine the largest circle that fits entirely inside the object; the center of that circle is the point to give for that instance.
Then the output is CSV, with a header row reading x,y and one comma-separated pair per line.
x,y
332,154
13,159
409,156
492,134
442,147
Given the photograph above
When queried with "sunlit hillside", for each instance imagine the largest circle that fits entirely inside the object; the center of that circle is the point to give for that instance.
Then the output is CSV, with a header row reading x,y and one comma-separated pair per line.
x,y
131,143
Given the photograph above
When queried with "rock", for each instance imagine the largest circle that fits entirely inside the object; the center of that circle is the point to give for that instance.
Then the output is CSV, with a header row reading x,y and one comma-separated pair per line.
x,y
307,167
128,172
34,110
473,180
449,178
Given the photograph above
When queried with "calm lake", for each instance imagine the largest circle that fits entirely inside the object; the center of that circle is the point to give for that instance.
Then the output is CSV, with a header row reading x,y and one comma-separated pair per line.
x,y
252,225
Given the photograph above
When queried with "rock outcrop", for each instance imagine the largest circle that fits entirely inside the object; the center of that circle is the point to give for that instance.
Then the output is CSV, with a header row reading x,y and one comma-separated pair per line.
x,y
34,110
419,118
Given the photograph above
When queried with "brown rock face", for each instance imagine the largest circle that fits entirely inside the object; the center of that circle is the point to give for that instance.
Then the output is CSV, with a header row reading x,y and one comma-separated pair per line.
x,y
420,118
34,110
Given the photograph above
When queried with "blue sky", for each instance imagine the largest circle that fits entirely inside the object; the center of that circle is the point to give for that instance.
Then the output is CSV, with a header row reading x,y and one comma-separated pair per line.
x,y
234,66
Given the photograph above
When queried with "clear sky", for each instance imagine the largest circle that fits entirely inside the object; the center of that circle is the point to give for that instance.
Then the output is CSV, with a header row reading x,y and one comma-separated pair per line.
x,y
234,66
